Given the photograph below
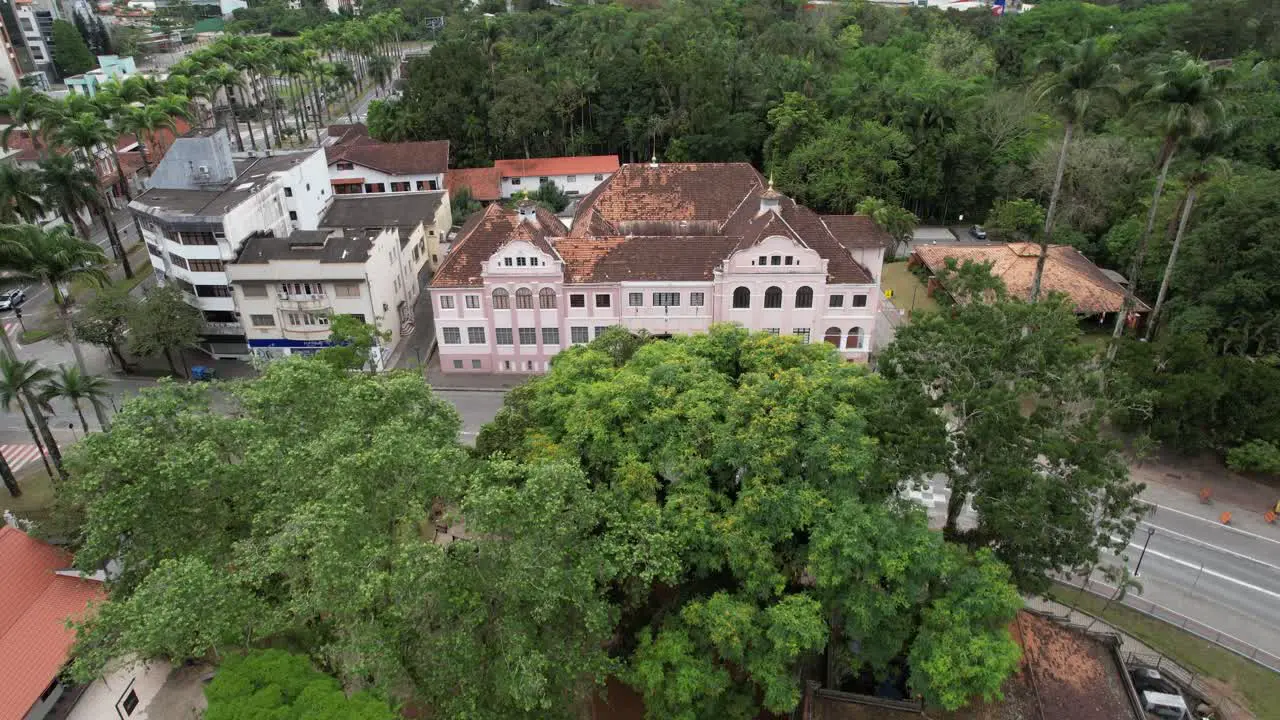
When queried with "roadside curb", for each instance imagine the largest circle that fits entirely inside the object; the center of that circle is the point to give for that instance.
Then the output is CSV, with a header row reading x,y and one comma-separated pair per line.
x,y
441,388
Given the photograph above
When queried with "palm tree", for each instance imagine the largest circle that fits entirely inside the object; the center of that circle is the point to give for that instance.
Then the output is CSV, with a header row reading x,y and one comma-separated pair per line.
x,y
10,480
1185,96
898,222
56,258
1124,581
24,106
19,195
380,68
1206,149
144,122
1081,84
72,187
76,386
20,384
226,77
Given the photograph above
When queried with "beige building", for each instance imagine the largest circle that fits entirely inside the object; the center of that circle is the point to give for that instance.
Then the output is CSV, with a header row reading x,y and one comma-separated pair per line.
x,y
364,261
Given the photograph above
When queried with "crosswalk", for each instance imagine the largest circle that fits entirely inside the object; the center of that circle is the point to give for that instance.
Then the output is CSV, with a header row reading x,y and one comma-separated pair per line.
x,y
19,455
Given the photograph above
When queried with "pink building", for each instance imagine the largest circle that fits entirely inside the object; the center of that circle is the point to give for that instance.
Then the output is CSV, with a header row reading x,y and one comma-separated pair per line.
x,y
668,248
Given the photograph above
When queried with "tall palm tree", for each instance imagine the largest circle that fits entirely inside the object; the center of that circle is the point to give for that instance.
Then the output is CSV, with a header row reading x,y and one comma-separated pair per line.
x,y
57,259
144,122
26,107
10,480
1185,98
20,192
1123,579
226,77
1081,84
1206,149
73,187
76,386
20,384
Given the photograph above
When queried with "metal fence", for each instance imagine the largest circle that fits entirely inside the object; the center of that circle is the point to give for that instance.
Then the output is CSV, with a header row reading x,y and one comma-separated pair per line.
x,y
1195,627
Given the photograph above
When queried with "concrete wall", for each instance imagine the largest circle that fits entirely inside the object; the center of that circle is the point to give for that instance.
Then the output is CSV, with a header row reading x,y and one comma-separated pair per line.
x,y
311,193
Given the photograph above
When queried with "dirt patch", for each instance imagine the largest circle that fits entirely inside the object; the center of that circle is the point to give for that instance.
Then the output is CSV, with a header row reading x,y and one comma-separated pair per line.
x,y
1191,474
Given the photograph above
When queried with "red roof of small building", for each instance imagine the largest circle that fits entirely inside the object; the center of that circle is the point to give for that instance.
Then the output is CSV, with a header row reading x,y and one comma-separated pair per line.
x,y
35,604
403,158
484,183
543,167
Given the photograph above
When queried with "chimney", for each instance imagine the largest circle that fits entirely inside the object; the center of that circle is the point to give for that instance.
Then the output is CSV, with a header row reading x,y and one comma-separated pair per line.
x,y
527,211
770,200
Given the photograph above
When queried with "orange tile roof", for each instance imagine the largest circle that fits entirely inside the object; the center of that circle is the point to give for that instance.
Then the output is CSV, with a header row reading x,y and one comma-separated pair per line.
x,y
485,183
35,604
542,167
1066,271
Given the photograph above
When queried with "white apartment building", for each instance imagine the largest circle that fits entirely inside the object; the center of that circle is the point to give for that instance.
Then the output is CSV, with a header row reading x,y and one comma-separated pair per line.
x,y
204,204
35,22
359,164
574,175
364,262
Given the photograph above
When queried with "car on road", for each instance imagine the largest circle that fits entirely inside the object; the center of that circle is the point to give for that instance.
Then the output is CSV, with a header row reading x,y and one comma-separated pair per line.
x,y
11,299
977,232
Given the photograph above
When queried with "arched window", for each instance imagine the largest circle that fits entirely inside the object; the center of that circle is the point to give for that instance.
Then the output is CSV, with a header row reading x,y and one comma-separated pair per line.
x,y
741,298
773,297
547,299
501,299
524,299
833,336
804,297
854,340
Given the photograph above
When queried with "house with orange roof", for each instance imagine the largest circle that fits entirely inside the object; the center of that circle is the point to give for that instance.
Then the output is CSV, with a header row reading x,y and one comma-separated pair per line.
x,y
574,175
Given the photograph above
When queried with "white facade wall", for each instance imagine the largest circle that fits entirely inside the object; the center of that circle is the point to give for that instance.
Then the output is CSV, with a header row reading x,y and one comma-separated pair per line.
x,y
372,176
106,697
573,185
308,183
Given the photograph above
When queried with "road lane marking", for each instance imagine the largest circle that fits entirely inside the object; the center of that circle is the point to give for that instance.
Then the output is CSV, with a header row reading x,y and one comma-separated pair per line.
x,y
1215,523
1210,546
1207,571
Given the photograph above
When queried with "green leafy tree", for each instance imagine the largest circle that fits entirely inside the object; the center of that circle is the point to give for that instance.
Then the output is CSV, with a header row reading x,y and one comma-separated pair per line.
x,y
164,324
1023,413
550,194
20,195
73,188
70,53
104,321
1255,456
275,683
899,222
353,343
1019,221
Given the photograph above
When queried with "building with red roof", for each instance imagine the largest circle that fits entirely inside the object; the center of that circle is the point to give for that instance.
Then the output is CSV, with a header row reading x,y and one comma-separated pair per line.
x,y
36,600
574,175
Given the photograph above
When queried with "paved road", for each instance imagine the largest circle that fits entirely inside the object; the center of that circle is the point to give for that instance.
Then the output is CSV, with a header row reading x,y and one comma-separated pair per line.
x,y
477,407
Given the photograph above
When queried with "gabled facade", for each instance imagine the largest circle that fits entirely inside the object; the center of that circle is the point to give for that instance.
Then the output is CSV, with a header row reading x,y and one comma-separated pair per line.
x,y
359,164
667,249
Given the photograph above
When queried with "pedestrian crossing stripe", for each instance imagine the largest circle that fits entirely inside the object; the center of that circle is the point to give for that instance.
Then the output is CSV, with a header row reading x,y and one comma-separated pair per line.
x,y
19,455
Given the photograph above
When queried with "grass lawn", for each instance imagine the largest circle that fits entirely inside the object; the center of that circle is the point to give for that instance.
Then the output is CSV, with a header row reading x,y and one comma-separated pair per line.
x,y
1258,687
37,494
906,287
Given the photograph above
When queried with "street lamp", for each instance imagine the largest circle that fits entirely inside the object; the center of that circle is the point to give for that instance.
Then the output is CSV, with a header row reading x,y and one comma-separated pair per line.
x,y
17,313
72,427
1150,531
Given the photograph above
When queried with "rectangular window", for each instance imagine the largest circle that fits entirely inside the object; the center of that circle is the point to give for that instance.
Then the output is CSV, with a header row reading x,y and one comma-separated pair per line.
x,y
764,260
602,300
666,299
859,300
515,181
154,250
375,187
787,260
206,266
358,317
346,290
431,185
452,336
475,335
293,215
212,291
26,25
457,364
542,180
263,320
775,260
343,165
577,300
422,185
635,299
196,238
502,336
528,336
579,335
288,192
772,331
520,262
130,702
179,261
571,178
473,301
475,364
600,329
599,177
696,299
802,333
550,336
220,316
399,187
446,302
835,301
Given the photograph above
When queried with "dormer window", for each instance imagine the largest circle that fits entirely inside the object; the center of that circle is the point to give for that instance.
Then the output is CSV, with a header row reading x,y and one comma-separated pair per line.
x,y
788,260
775,260
520,262
506,261
764,260
343,165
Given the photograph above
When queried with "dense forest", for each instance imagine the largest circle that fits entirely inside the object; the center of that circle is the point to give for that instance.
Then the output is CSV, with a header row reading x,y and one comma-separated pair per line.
x,y
946,114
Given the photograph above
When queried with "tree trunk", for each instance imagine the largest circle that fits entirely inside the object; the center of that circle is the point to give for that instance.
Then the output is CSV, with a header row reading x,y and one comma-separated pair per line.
x,y
1135,268
114,349
113,236
1048,216
50,443
10,480
168,355
65,312
234,119
81,226
120,178
1187,203
955,504
44,456
253,140
83,425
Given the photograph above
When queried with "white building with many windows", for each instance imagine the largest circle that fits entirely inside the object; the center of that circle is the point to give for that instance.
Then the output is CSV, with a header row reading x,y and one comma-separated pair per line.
x,y
205,203
359,164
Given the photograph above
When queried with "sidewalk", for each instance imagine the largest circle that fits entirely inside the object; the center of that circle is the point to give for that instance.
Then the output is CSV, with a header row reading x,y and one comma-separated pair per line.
x,y
462,382
1176,482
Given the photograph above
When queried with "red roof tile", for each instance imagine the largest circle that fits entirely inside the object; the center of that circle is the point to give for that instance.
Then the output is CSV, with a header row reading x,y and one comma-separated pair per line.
x,y
482,235
542,167
485,184
34,606
404,158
